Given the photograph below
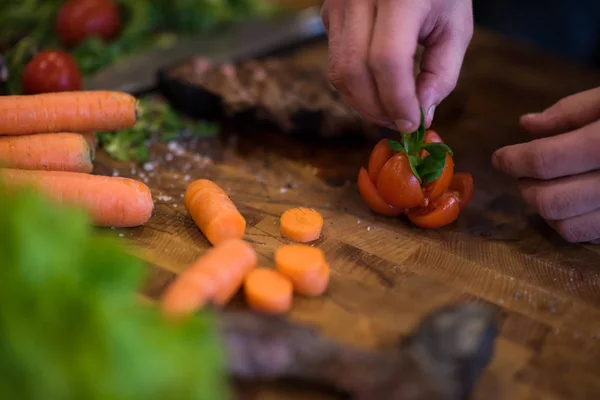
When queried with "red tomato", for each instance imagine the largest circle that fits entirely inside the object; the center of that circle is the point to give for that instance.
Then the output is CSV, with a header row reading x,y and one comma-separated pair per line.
x,y
397,185
441,212
51,71
381,153
437,188
462,187
372,198
80,19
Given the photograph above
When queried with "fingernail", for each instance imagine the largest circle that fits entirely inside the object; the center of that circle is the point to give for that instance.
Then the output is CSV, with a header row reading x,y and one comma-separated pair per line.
x,y
405,126
431,111
495,162
530,115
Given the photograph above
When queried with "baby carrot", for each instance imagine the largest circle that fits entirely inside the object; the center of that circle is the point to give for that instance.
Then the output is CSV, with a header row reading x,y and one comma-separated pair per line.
x,y
268,291
82,111
214,277
305,266
214,212
91,139
110,201
46,151
301,224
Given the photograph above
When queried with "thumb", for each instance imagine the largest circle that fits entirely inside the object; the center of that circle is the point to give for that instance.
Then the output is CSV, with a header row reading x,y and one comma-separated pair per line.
x,y
572,112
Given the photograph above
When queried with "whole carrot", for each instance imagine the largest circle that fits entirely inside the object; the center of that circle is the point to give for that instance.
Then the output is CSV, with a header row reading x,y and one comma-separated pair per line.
x,y
49,152
82,111
214,212
214,277
110,201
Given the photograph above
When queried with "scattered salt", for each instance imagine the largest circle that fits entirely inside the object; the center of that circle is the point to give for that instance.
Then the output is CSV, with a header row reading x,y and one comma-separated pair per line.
x,y
368,228
149,166
174,205
112,227
121,235
283,190
181,195
163,197
133,171
186,178
115,172
358,221
169,157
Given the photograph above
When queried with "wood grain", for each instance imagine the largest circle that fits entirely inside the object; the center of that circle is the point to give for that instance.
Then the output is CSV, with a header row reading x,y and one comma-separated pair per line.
x,y
386,274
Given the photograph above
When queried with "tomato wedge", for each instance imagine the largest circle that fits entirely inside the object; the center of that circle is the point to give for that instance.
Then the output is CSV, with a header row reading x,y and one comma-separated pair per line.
x,y
381,153
462,187
372,198
441,212
397,185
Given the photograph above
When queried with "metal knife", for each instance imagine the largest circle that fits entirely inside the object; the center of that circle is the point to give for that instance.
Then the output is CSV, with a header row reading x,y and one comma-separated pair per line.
x,y
243,39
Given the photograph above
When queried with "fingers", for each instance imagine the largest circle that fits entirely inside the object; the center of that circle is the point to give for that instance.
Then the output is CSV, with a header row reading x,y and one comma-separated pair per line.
x,y
563,198
568,114
583,228
552,157
391,59
348,69
325,15
442,62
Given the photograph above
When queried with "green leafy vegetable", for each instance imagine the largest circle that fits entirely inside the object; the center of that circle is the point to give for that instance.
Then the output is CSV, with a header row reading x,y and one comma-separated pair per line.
x,y
29,24
429,168
158,122
71,326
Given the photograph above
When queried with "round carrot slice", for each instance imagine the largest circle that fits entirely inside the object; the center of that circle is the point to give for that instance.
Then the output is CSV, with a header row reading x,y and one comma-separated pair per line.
x,y
315,284
268,291
305,266
371,196
301,224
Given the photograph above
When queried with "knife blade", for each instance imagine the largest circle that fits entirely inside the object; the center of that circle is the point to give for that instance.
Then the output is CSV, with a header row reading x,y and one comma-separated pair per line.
x,y
243,39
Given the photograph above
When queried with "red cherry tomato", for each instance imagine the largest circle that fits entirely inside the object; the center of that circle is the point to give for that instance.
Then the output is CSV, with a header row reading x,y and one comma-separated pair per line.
x,y
440,212
371,196
80,19
437,188
51,71
397,185
381,153
462,187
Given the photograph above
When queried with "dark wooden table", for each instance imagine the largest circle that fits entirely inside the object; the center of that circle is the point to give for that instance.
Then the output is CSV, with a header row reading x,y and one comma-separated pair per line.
x,y
386,274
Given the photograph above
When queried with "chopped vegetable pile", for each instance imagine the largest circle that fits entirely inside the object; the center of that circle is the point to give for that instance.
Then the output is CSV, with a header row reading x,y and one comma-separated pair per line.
x,y
157,122
29,26
71,326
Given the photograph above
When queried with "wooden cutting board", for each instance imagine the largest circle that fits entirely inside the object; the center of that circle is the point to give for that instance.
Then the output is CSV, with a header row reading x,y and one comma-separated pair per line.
x,y
386,273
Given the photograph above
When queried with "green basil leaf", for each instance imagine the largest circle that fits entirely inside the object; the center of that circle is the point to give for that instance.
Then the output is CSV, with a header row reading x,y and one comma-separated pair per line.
x,y
433,176
437,150
415,172
414,160
395,146
419,135
431,165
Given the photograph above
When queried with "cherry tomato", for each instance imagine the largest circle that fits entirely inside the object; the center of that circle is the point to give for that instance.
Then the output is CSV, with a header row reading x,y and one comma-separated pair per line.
x,y
372,198
440,212
437,188
51,71
80,19
381,153
462,187
397,185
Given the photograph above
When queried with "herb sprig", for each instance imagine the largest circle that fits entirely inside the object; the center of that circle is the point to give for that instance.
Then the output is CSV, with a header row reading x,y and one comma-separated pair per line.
x,y
426,169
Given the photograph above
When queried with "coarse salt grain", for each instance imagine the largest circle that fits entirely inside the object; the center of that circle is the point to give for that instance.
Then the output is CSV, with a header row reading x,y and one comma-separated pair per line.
x,y
169,157
115,172
121,235
283,190
149,166
163,197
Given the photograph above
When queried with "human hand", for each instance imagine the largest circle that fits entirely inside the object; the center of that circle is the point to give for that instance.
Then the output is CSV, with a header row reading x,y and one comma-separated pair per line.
x,y
559,173
372,44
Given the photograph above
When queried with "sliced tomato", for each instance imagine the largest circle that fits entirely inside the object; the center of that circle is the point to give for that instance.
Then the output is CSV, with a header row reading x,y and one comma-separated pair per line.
x,y
462,187
441,212
397,185
437,188
430,137
372,198
379,156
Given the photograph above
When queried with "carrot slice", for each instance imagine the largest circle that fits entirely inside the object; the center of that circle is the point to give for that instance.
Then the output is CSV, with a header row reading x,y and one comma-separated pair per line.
x,y
371,196
380,154
110,201
214,212
215,277
49,152
301,224
81,111
268,291
305,266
